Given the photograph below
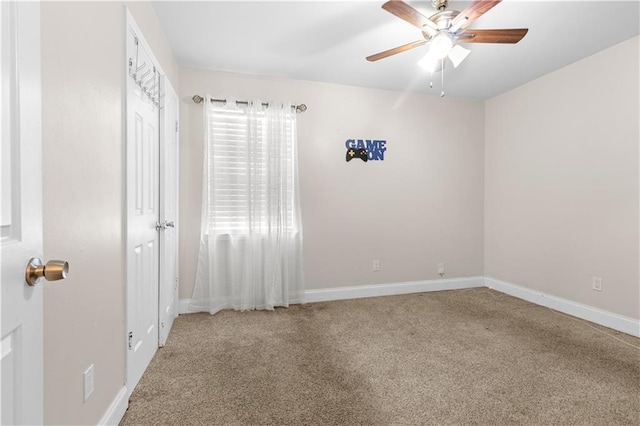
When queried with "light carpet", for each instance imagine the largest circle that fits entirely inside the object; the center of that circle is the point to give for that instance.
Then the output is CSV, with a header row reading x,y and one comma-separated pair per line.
x,y
474,357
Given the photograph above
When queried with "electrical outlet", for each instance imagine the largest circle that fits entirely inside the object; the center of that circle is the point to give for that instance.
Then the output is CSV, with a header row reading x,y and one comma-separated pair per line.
x,y
88,382
376,266
597,283
441,269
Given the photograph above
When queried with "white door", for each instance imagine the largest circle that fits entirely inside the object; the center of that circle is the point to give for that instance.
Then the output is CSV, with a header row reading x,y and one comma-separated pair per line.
x,y
168,211
21,214
142,152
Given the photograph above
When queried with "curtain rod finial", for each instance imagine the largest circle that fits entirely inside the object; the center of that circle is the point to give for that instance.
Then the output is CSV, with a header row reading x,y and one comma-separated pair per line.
x,y
301,108
197,99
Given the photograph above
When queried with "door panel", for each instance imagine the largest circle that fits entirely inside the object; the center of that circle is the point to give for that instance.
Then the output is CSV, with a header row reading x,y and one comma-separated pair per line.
x,y
21,367
143,139
168,212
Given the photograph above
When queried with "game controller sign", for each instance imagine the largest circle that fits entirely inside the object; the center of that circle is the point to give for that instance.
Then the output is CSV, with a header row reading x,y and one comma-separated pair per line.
x,y
365,149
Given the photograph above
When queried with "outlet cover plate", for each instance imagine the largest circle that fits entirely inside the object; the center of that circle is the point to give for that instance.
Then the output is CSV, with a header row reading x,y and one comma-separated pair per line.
x,y
597,283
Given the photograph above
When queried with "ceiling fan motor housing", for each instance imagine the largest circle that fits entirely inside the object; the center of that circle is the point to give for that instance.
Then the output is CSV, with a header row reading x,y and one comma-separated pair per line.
x,y
442,20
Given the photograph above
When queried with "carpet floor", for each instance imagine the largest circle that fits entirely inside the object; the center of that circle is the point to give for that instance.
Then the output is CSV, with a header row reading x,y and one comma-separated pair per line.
x,y
474,357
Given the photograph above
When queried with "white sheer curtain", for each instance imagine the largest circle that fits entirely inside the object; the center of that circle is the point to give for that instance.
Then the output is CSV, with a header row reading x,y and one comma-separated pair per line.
x,y
251,236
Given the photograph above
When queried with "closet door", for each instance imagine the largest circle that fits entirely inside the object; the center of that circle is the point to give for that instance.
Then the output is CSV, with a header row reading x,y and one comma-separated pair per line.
x,y
142,205
168,211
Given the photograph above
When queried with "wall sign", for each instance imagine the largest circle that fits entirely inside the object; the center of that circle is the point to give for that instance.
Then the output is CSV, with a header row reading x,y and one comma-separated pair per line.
x,y
365,149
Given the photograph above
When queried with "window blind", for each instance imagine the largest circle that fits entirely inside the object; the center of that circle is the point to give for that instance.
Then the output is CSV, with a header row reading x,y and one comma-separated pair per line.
x,y
250,183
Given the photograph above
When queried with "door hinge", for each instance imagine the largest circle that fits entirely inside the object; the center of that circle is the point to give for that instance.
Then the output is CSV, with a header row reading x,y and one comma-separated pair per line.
x,y
130,339
176,126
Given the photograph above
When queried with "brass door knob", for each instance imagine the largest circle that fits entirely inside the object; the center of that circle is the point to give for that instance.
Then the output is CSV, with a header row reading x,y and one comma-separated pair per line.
x,y
54,270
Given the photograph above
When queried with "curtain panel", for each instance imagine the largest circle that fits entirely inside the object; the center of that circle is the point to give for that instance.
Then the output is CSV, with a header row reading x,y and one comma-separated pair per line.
x,y
251,235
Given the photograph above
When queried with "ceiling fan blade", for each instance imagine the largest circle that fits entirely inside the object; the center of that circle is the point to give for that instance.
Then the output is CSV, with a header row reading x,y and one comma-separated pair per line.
x,y
511,36
395,50
407,13
473,12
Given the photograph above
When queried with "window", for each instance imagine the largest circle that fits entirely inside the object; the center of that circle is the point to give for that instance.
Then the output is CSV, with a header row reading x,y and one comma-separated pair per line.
x,y
251,170
251,243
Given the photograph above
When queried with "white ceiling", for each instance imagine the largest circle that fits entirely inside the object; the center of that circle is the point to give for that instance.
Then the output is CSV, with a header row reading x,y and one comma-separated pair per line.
x,y
328,41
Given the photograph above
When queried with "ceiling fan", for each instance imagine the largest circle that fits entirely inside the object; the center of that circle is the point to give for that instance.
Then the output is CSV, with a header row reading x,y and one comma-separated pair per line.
x,y
445,29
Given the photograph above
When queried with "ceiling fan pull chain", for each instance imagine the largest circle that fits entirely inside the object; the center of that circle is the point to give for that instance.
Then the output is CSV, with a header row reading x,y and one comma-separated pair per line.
x,y
442,91
431,81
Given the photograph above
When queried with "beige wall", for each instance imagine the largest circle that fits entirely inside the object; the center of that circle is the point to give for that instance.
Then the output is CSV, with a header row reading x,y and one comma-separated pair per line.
x,y
562,182
83,173
420,206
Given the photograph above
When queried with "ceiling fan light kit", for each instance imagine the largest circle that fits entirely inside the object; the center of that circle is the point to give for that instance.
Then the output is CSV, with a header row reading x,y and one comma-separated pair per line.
x,y
441,45
444,30
431,64
458,54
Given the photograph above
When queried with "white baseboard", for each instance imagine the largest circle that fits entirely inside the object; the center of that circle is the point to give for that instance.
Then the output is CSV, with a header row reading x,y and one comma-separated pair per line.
x,y
608,319
116,410
375,290
598,316
183,307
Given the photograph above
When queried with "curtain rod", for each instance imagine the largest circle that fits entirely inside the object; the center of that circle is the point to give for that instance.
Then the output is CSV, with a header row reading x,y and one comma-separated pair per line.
x,y
198,99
